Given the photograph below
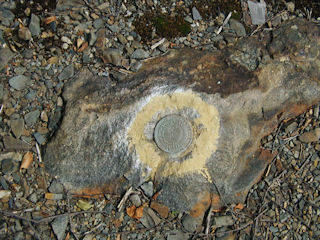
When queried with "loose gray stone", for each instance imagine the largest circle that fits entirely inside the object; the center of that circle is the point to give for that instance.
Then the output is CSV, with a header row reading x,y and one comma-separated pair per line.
x,y
122,39
8,165
66,4
31,117
274,229
257,12
17,127
195,14
55,187
191,224
93,38
66,73
290,6
114,28
5,56
311,136
3,183
222,221
238,28
291,127
11,143
112,55
33,197
136,66
108,208
135,199
98,23
177,235
1,91
27,53
6,16
188,19
149,218
148,188
24,33
39,138
19,236
59,226
20,70
34,25
140,54
53,121
19,82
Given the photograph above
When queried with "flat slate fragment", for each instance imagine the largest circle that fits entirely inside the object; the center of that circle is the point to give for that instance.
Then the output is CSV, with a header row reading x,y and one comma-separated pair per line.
x,y
232,98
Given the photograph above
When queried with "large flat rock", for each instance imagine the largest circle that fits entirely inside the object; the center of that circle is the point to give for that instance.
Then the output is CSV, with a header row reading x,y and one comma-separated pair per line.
x,y
191,121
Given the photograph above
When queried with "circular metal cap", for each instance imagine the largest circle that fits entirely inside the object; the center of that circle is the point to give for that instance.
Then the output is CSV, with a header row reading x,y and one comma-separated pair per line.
x,y
173,134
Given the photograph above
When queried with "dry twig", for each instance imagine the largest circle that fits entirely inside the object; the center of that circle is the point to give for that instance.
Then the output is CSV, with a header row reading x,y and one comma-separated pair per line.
x,y
208,220
124,198
224,23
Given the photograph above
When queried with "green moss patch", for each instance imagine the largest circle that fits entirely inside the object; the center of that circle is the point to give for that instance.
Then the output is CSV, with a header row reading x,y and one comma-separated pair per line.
x,y
164,26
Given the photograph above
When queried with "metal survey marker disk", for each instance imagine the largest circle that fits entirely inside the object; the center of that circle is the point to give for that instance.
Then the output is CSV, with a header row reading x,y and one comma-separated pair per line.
x,y
173,134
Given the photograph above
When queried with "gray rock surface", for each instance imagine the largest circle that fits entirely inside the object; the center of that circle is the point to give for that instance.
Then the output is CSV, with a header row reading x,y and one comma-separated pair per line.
x,y
195,14
221,93
140,54
59,226
17,127
191,224
31,117
6,16
147,188
12,144
34,25
66,73
5,56
135,199
238,27
222,221
39,138
177,235
19,82
8,165
112,55
55,187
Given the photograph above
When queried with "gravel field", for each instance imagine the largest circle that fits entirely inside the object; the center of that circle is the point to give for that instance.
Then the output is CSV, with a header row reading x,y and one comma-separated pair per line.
x,y
44,44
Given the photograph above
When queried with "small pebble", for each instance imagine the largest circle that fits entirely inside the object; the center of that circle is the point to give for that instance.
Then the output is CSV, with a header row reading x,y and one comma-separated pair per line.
x,y
34,25
19,82
148,188
195,14
140,54
24,33
135,199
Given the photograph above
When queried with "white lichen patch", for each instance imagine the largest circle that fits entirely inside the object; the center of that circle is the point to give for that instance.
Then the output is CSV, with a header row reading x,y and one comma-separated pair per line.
x,y
204,143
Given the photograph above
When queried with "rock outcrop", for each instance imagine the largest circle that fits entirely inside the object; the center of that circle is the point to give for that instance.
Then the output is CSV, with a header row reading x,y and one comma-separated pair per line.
x,y
191,121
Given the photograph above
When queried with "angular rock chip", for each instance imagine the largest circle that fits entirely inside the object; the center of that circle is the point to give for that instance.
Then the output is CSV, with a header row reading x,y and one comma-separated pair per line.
x,y
231,98
5,56
12,144
19,82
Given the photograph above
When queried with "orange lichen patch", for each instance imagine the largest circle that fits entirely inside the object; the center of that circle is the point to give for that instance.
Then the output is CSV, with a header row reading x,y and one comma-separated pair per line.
x,y
27,160
216,202
239,206
199,208
135,212
49,19
98,191
296,109
160,208
156,195
83,47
